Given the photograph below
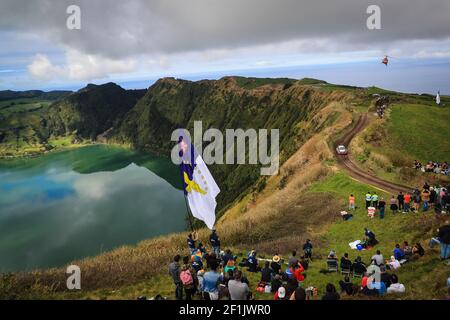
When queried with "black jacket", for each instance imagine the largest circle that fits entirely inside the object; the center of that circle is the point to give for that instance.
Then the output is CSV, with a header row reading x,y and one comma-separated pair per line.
x,y
444,234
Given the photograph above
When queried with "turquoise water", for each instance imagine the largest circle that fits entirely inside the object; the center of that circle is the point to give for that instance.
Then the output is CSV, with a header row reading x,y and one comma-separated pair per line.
x,y
77,203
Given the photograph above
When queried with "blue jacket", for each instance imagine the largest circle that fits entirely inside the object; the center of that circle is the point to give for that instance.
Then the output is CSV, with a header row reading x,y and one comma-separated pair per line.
x,y
399,254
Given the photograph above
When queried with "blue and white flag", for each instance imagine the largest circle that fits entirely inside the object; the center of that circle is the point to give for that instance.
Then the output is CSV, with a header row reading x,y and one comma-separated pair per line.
x,y
199,186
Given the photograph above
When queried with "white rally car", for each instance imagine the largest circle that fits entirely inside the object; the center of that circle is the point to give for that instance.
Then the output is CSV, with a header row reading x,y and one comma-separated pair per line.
x,y
342,150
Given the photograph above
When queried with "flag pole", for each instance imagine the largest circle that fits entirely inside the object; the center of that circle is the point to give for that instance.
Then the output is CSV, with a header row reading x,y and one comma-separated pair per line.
x,y
189,214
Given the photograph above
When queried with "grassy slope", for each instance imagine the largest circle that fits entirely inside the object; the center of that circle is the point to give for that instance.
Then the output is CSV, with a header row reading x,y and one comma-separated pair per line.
x,y
424,278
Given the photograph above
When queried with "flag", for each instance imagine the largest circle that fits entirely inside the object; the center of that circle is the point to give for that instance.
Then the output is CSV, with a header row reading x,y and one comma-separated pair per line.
x,y
199,186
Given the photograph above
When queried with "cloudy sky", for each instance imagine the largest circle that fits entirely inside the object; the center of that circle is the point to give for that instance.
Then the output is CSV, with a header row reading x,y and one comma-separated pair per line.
x,y
137,41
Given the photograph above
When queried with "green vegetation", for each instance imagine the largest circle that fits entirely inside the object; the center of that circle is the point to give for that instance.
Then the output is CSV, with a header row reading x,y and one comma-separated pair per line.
x,y
420,131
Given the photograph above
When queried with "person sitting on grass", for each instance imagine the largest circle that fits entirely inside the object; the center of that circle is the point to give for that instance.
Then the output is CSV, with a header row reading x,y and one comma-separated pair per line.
x,y
346,263
366,287
331,293
370,238
227,256
358,266
407,250
295,271
252,262
393,263
384,276
332,256
275,265
299,294
418,249
238,290
396,287
398,252
276,282
280,294
266,273
348,287
379,260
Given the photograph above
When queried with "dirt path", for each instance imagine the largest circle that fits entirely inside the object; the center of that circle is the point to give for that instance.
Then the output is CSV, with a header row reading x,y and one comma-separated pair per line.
x,y
354,171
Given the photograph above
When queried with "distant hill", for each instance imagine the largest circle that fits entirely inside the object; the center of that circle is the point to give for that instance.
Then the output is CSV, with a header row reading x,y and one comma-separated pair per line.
x,y
50,95
91,110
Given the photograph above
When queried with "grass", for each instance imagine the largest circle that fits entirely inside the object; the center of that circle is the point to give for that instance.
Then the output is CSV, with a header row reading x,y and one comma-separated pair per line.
x,y
420,131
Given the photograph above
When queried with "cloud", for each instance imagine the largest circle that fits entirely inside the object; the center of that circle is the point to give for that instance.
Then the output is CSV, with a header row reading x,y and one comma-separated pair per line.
x,y
78,66
120,37
121,29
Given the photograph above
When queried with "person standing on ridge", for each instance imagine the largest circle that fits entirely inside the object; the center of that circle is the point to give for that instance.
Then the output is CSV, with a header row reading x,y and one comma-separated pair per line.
x,y
191,242
307,249
375,200
368,199
215,242
351,202
401,201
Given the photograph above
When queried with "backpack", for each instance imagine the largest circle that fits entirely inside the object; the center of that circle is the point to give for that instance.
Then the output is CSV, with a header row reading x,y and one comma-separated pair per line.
x,y
186,277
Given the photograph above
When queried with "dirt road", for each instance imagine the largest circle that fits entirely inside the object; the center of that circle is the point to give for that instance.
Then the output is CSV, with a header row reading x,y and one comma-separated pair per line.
x,y
354,171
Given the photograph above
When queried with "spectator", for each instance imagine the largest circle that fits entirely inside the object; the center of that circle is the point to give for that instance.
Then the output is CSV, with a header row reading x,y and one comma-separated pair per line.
x,y
346,263
370,238
407,250
307,249
351,202
299,294
304,263
215,242
293,259
238,289
444,238
174,272
401,200
394,264
358,266
276,264
382,207
368,199
407,202
418,249
378,258
396,287
280,294
375,200
266,273
187,278
348,287
211,284
191,242
398,252
394,205
331,293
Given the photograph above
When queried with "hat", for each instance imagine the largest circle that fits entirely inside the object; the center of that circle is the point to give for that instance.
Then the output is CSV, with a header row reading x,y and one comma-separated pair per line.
x,y
332,253
276,259
281,292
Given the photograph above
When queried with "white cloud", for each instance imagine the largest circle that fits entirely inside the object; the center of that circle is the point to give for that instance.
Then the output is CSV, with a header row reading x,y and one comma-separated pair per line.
x,y
78,66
